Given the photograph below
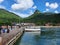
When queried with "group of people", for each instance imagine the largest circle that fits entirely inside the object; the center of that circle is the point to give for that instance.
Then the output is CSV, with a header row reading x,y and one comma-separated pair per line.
x,y
4,30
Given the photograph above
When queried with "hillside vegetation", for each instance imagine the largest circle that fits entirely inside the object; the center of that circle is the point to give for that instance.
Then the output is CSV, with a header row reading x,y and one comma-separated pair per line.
x,y
38,18
43,18
7,17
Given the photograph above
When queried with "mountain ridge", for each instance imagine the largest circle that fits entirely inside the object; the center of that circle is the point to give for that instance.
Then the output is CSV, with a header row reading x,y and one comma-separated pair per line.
x,y
43,18
8,17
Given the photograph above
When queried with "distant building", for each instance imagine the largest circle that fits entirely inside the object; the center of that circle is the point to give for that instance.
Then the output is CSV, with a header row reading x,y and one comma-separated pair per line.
x,y
28,24
58,24
48,24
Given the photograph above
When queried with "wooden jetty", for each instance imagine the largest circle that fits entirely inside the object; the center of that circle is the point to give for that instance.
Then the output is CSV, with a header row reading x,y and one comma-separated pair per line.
x,y
11,37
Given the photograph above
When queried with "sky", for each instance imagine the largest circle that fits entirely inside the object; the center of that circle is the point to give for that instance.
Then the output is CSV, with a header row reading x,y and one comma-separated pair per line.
x,y
25,8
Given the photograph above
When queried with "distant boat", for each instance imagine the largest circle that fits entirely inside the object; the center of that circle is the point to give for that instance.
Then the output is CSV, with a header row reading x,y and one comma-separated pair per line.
x,y
32,30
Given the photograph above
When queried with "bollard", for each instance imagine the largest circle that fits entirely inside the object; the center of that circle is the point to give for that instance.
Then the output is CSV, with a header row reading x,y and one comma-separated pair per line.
x,y
0,40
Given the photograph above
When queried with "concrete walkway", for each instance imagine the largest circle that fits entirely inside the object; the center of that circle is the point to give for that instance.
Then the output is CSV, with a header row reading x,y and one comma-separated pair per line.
x,y
5,37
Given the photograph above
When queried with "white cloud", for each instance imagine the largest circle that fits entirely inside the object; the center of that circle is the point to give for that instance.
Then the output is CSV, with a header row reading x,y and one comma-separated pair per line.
x,y
52,5
47,3
34,7
1,1
25,15
46,10
56,11
22,5
2,7
22,14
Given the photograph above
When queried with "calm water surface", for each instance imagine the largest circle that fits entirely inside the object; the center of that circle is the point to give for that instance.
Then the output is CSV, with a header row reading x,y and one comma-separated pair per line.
x,y
50,37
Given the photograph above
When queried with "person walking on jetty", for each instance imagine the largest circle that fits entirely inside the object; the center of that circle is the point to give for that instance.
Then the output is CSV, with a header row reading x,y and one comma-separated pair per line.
x,y
0,29
8,29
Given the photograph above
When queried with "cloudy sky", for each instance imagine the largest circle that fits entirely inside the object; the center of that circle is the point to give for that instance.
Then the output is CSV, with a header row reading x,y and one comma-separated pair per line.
x,y
26,8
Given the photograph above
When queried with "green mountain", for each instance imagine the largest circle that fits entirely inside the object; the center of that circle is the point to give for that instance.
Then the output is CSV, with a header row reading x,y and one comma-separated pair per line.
x,y
38,18
7,17
43,18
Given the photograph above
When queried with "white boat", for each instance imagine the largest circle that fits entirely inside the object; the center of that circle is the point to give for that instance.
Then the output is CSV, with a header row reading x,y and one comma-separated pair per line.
x,y
32,30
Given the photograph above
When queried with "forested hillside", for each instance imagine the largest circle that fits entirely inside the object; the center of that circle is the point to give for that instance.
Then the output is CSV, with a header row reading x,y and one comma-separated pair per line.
x,y
43,18
7,17
38,18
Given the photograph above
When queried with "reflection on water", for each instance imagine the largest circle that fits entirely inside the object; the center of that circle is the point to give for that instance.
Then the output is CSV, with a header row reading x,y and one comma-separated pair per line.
x,y
50,37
